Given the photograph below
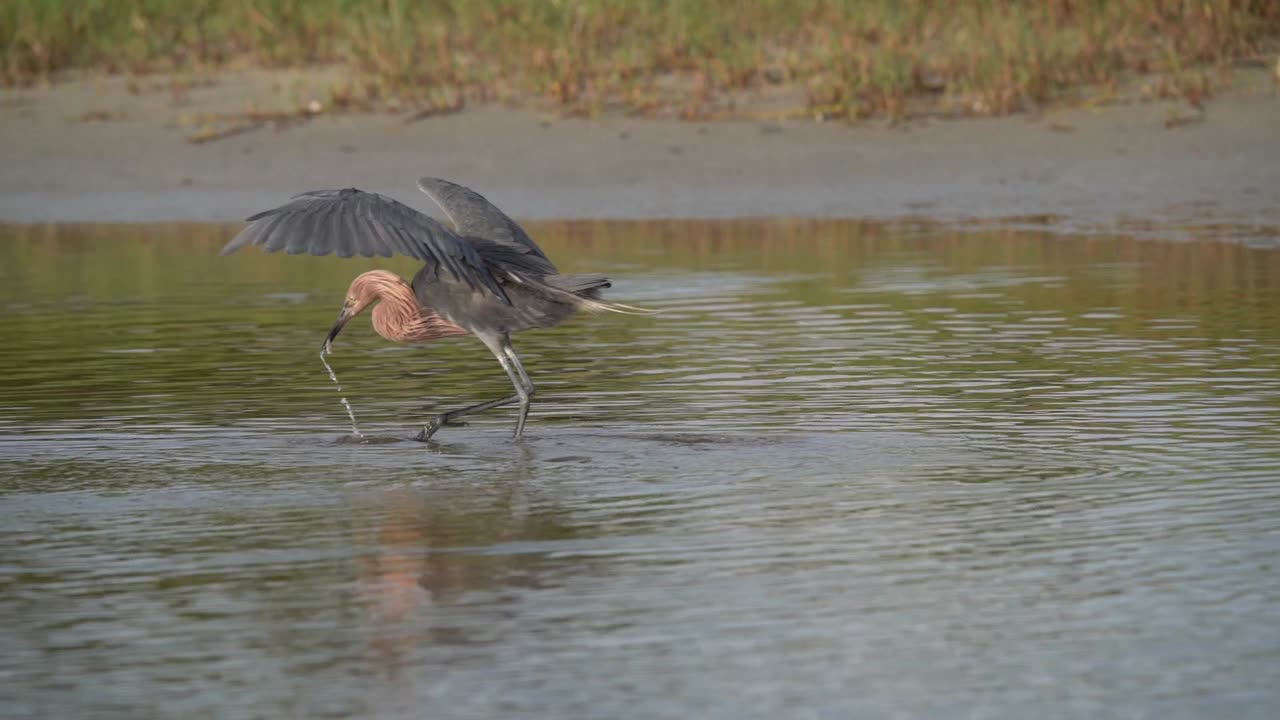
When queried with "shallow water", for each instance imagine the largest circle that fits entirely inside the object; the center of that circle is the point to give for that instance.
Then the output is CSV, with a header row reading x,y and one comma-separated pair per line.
x,y
850,471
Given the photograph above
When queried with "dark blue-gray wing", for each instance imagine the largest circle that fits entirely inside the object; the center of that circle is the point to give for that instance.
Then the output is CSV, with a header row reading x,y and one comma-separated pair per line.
x,y
353,222
472,215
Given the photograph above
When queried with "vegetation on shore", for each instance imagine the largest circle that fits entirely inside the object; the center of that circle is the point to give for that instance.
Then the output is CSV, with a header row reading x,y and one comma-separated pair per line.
x,y
689,58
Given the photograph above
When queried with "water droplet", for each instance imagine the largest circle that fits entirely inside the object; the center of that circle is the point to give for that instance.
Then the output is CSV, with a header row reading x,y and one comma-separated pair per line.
x,y
333,376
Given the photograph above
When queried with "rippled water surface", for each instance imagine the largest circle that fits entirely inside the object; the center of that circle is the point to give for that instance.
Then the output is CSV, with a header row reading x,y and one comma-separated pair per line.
x,y
849,471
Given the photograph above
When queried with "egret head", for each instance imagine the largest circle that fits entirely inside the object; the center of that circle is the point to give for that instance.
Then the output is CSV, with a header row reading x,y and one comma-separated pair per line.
x,y
365,290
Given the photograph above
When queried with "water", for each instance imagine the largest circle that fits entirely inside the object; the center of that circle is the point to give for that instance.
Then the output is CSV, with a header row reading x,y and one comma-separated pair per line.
x,y
850,471
355,431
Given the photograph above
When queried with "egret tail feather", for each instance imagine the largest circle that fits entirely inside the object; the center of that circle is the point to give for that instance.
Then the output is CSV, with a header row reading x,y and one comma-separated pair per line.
x,y
602,306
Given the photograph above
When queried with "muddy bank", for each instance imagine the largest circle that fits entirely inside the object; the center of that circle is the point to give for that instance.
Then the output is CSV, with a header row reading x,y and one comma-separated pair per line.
x,y
102,151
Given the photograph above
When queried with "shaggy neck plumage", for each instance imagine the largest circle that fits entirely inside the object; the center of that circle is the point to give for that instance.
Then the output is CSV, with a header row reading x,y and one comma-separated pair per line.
x,y
399,317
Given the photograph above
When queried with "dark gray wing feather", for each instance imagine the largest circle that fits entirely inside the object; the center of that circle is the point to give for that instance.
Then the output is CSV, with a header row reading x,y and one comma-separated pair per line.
x,y
353,222
504,258
474,216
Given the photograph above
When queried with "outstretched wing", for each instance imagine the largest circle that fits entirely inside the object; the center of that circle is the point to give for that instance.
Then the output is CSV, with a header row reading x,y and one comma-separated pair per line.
x,y
475,216
353,222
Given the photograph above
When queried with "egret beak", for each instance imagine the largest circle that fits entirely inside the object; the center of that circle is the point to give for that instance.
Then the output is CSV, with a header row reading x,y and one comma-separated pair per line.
x,y
348,311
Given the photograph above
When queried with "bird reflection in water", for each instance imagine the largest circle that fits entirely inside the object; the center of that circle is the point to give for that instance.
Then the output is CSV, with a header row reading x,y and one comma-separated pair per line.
x,y
396,579
400,579
409,568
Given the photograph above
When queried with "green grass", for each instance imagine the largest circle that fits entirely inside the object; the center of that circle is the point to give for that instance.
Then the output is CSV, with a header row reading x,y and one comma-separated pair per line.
x,y
691,57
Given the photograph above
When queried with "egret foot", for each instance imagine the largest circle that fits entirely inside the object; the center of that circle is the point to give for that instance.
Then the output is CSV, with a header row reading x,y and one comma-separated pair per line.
x,y
435,424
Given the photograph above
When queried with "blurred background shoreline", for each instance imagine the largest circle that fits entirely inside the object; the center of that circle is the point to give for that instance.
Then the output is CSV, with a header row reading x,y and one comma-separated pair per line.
x,y
1147,117
92,150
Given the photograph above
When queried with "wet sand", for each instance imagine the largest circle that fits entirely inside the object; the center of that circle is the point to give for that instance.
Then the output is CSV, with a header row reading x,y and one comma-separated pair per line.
x,y
90,150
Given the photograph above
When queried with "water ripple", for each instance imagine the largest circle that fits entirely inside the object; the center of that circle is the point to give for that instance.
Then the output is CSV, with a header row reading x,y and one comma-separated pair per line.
x,y
855,471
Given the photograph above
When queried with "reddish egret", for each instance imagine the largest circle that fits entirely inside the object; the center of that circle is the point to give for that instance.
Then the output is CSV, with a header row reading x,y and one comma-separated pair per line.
x,y
486,277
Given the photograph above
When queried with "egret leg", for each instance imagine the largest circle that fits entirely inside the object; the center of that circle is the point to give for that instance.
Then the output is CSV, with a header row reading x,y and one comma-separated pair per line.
x,y
515,361
445,418
510,362
524,383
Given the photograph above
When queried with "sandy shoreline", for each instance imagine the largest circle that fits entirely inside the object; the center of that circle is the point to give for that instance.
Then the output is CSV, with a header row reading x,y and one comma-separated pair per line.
x,y
93,151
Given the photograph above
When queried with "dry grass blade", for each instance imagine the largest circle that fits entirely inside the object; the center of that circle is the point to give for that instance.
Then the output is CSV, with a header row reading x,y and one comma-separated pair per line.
x,y
678,58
